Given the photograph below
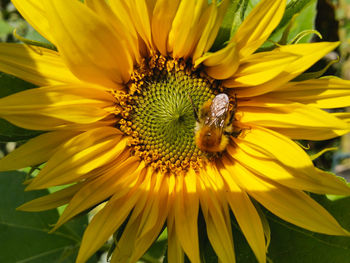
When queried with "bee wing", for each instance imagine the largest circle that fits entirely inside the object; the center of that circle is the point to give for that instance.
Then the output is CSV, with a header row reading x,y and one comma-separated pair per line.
x,y
218,109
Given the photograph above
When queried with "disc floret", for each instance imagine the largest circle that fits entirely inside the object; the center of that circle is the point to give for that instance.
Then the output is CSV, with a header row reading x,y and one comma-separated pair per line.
x,y
159,113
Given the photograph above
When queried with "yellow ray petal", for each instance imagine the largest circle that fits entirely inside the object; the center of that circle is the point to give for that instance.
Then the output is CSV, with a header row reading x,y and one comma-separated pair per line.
x,y
308,54
102,227
293,206
269,145
140,12
221,64
37,65
162,19
34,13
119,26
53,200
258,26
43,123
175,252
344,116
325,93
308,179
187,27
36,151
120,10
246,215
186,207
304,122
141,231
74,103
149,232
117,180
102,56
79,156
265,224
216,215
216,13
125,248
260,68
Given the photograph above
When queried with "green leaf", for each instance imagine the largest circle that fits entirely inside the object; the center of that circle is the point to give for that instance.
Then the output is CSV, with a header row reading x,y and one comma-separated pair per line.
x,y
5,29
225,30
156,252
24,235
10,84
293,244
235,14
305,11
289,243
12,133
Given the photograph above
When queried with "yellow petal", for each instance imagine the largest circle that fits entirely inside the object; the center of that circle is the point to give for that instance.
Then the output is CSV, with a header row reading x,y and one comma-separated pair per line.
x,y
118,22
216,215
293,206
36,151
221,64
74,103
308,54
99,56
140,12
292,119
186,28
141,231
258,26
247,216
51,201
79,156
34,13
101,188
325,93
186,207
308,179
162,19
102,227
344,116
175,252
283,161
260,68
37,65
210,28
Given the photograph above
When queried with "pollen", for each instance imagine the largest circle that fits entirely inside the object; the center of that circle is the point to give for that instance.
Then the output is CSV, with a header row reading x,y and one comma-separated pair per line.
x,y
159,112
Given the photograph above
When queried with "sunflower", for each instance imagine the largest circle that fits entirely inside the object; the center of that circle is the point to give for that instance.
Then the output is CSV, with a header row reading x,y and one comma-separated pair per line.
x,y
141,116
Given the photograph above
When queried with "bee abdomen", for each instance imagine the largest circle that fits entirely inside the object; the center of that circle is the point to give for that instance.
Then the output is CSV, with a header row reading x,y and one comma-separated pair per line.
x,y
211,140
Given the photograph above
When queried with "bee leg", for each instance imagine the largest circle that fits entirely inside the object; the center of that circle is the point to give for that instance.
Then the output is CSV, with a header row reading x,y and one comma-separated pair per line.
x,y
232,117
234,132
194,109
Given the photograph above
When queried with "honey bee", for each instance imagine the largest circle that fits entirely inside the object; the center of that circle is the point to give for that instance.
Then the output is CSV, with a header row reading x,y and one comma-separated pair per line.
x,y
214,124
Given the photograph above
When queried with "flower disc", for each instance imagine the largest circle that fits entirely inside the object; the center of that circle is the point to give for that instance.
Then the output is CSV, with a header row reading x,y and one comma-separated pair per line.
x,y
162,118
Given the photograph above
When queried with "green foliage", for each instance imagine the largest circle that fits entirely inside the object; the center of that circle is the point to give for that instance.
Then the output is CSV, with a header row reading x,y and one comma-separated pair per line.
x,y
12,133
24,235
5,29
291,244
303,10
10,84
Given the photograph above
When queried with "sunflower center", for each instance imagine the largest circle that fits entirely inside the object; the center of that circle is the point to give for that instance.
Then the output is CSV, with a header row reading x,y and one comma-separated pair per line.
x,y
160,112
